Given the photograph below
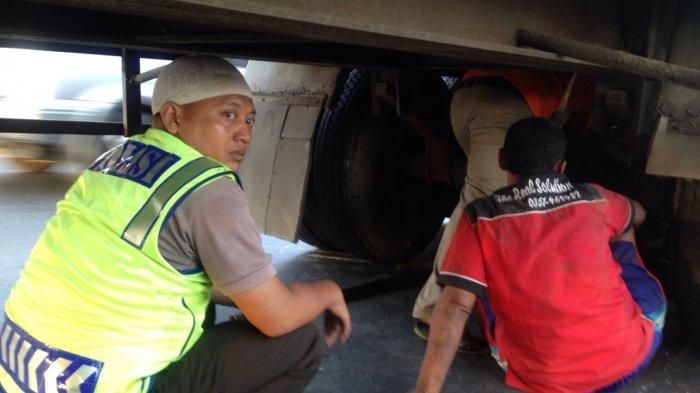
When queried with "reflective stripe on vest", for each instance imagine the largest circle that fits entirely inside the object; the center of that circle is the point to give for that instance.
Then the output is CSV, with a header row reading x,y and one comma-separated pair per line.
x,y
36,367
139,227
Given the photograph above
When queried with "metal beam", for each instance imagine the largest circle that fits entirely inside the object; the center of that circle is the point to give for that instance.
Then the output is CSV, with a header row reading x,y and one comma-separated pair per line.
x,y
615,59
467,32
91,49
131,93
59,47
240,38
61,127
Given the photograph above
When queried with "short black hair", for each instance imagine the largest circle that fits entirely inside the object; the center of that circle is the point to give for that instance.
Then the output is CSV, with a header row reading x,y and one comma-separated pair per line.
x,y
532,146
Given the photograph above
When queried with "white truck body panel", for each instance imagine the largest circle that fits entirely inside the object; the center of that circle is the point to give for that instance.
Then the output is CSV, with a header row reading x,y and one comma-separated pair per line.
x,y
289,99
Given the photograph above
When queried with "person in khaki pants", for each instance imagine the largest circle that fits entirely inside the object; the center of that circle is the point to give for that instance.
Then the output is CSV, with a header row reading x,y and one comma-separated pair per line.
x,y
481,111
480,114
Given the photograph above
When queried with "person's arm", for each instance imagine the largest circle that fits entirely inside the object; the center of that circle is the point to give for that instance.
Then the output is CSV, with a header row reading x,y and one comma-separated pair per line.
x,y
447,325
276,309
214,226
622,213
640,214
218,297
462,277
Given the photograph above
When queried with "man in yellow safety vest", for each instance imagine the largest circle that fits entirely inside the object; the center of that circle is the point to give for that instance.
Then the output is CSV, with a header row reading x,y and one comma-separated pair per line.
x,y
115,292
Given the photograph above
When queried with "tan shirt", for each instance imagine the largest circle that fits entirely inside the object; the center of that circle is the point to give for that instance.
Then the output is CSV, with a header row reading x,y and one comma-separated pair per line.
x,y
214,230
481,115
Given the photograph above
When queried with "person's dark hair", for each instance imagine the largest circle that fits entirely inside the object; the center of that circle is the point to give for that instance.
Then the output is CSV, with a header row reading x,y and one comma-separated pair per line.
x,y
532,146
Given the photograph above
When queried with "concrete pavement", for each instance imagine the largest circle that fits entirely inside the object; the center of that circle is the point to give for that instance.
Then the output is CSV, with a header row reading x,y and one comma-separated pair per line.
x,y
383,354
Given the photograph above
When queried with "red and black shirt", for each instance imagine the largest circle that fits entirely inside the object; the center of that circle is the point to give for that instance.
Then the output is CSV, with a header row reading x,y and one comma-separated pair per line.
x,y
539,252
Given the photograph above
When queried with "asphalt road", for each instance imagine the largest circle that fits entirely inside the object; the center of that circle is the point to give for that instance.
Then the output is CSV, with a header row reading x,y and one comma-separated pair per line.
x,y
383,354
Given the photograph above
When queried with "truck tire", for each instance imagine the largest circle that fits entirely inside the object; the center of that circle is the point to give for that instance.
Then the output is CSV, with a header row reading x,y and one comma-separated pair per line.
x,y
687,255
313,230
365,198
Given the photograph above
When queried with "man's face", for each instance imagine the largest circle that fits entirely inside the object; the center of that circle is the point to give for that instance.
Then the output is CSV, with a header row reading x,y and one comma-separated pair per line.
x,y
219,127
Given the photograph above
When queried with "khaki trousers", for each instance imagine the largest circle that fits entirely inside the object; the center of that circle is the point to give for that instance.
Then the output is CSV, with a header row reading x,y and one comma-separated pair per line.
x,y
480,115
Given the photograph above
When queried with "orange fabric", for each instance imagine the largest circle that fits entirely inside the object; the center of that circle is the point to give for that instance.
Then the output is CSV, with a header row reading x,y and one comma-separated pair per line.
x,y
543,91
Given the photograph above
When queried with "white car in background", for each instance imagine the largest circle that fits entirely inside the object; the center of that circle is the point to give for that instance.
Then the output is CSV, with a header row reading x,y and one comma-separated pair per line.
x,y
44,85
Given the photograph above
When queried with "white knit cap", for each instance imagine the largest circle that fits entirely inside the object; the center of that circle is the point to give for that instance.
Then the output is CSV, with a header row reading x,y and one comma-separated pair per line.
x,y
195,78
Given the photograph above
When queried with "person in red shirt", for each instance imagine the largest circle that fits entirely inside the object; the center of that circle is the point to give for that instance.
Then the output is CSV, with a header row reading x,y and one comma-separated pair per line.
x,y
484,104
566,301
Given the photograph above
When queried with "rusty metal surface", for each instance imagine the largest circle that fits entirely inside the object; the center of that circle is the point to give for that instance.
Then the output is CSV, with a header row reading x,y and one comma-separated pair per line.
x,y
294,100
615,59
679,103
437,151
674,154
284,79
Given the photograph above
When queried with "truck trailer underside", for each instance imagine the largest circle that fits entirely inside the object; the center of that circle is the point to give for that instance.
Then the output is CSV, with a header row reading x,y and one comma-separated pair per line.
x,y
373,61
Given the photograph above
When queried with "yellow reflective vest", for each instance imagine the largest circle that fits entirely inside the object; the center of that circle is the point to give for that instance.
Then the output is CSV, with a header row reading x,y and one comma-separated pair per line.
x,y
97,308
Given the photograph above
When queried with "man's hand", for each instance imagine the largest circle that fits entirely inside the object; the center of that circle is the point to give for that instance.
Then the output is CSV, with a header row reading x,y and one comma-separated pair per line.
x,y
276,308
337,323
446,327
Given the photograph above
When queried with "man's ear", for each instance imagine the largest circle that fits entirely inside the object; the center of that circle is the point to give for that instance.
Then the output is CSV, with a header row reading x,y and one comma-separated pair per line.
x,y
502,159
170,115
560,167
